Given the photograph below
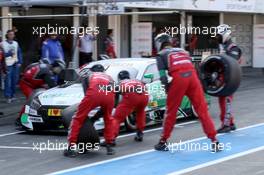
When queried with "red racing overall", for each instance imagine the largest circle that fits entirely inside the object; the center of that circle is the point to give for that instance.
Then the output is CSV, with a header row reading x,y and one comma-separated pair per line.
x,y
35,76
225,103
96,95
185,82
134,98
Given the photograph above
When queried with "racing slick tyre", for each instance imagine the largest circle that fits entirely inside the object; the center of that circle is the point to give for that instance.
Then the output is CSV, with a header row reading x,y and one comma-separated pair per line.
x,y
194,113
220,75
88,133
130,122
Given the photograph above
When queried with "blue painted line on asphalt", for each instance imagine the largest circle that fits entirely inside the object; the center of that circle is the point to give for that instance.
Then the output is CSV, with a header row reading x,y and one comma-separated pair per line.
x,y
155,162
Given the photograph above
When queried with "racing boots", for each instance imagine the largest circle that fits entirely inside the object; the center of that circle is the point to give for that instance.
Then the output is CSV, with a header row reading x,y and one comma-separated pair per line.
x,y
109,149
18,125
226,129
70,152
233,127
161,146
139,136
103,144
216,147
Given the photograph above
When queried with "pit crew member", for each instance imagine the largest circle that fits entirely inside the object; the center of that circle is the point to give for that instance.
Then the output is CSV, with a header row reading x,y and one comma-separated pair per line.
x,y
227,46
185,81
37,75
95,96
134,98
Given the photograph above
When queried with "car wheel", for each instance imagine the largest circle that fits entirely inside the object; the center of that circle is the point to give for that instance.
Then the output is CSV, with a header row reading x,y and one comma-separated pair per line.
x,y
130,122
88,133
194,113
68,112
220,75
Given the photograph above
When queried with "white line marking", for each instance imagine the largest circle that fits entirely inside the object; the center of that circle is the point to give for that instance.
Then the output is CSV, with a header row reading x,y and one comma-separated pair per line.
x,y
139,153
12,133
122,136
101,162
156,129
34,149
260,172
152,130
187,170
15,147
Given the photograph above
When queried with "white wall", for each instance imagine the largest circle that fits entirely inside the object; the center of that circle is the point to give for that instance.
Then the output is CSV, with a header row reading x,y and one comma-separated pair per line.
x,y
242,33
114,22
5,23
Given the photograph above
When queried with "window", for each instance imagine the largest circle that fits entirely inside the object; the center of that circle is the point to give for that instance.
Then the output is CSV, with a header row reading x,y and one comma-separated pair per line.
x,y
152,69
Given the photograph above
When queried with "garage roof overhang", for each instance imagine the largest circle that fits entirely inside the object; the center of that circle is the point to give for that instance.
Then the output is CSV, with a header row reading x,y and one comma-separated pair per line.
x,y
29,3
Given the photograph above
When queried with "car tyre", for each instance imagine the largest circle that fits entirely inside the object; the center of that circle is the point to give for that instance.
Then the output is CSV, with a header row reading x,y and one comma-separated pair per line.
x,y
88,133
220,75
130,122
194,113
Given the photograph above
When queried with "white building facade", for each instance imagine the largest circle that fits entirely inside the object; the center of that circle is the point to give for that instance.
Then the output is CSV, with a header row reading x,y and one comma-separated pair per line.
x,y
246,17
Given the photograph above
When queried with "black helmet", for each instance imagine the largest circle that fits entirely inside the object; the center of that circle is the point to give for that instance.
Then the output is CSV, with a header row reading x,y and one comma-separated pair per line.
x,y
97,68
59,63
123,75
162,38
103,57
44,61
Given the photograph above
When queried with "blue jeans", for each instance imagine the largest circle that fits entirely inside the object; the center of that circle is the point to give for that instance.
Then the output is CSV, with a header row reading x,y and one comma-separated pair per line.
x,y
11,81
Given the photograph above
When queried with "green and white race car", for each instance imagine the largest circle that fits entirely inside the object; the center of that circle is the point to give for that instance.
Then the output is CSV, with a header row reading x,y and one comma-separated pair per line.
x,y
44,109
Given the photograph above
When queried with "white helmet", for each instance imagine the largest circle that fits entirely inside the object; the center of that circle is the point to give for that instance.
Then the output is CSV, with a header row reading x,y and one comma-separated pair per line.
x,y
103,57
44,61
224,31
162,38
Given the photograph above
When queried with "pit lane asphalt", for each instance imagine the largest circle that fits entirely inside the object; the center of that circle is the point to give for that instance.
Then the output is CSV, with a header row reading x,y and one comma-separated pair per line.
x,y
18,157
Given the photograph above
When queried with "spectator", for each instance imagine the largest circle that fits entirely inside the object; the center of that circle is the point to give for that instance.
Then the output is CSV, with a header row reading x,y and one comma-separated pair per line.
x,y
175,41
13,61
2,65
51,49
193,43
154,50
14,29
109,44
86,48
40,42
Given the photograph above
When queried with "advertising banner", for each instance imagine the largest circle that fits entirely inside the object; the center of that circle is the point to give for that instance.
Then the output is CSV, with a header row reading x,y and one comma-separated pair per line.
x,y
141,39
221,5
244,6
258,46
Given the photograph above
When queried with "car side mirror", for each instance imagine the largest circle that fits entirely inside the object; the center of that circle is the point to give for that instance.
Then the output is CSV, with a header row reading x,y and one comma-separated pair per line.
x,y
149,77
70,75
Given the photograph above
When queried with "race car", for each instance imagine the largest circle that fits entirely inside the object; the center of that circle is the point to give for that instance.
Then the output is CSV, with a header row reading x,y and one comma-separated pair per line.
x,y
44,109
